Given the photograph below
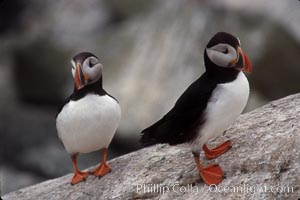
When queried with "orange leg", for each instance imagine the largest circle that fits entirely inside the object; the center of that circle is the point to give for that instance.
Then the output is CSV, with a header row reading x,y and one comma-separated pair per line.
x,y
215,152
211,174
103,168
78,175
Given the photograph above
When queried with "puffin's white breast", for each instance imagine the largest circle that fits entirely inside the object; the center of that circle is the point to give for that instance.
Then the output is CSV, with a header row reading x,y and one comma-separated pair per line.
x,y
227,102
88,124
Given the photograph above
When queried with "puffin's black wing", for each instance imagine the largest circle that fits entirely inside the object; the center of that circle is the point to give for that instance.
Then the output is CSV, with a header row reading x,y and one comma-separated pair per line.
x,y
183,120
63,104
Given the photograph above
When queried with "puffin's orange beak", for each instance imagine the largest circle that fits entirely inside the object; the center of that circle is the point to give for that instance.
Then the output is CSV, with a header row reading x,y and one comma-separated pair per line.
x,y
79,78
247,66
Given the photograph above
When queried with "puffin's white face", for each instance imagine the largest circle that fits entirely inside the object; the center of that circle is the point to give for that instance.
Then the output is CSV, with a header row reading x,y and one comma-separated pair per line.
x,y
87,72
224,51
222,55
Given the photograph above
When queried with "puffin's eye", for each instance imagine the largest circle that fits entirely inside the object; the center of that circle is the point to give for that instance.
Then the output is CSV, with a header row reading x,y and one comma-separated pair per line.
x,y
225,51
90,64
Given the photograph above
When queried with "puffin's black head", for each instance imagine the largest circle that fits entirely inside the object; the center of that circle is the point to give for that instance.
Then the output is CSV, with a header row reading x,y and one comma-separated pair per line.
x,y
86,69
224,50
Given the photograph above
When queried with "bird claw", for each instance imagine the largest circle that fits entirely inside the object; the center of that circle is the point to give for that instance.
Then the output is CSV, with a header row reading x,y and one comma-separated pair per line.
x,y
212,174
79,177
102,170
219,150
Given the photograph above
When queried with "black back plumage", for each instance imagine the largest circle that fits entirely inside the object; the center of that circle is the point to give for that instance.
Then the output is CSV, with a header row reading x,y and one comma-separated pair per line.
x,y
182,122
178,124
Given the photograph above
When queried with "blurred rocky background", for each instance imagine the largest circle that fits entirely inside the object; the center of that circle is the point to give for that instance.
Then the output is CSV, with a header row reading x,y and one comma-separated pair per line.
x,y
151,51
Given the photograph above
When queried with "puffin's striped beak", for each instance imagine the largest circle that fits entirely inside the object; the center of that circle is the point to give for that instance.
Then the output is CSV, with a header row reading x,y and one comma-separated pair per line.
x,y
246,61
79,77
243,62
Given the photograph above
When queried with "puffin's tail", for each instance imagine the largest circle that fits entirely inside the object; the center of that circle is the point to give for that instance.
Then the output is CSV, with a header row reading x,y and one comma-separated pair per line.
x,y
152,135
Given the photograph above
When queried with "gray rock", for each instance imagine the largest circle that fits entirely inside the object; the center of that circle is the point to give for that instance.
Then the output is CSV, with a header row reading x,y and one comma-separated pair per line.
x,y
265,156
11,178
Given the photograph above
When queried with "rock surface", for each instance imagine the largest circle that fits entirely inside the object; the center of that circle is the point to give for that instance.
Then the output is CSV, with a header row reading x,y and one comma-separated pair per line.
x,y
265,156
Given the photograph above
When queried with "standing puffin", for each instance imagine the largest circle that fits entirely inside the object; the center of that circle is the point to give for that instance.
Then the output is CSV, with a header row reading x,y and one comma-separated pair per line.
x,y
208,106
89,117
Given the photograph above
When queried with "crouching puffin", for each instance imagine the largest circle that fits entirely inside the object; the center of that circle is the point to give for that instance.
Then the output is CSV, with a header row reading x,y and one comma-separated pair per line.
x,y
89,117
208,106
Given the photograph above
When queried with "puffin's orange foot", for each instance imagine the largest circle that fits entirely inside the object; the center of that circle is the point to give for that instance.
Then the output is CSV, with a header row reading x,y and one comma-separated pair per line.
x,y
79,177
102,170
85,174
212,174
215,152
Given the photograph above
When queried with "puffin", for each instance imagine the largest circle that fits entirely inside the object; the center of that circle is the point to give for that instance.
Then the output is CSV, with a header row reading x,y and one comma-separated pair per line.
x,y
89,117
208,106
